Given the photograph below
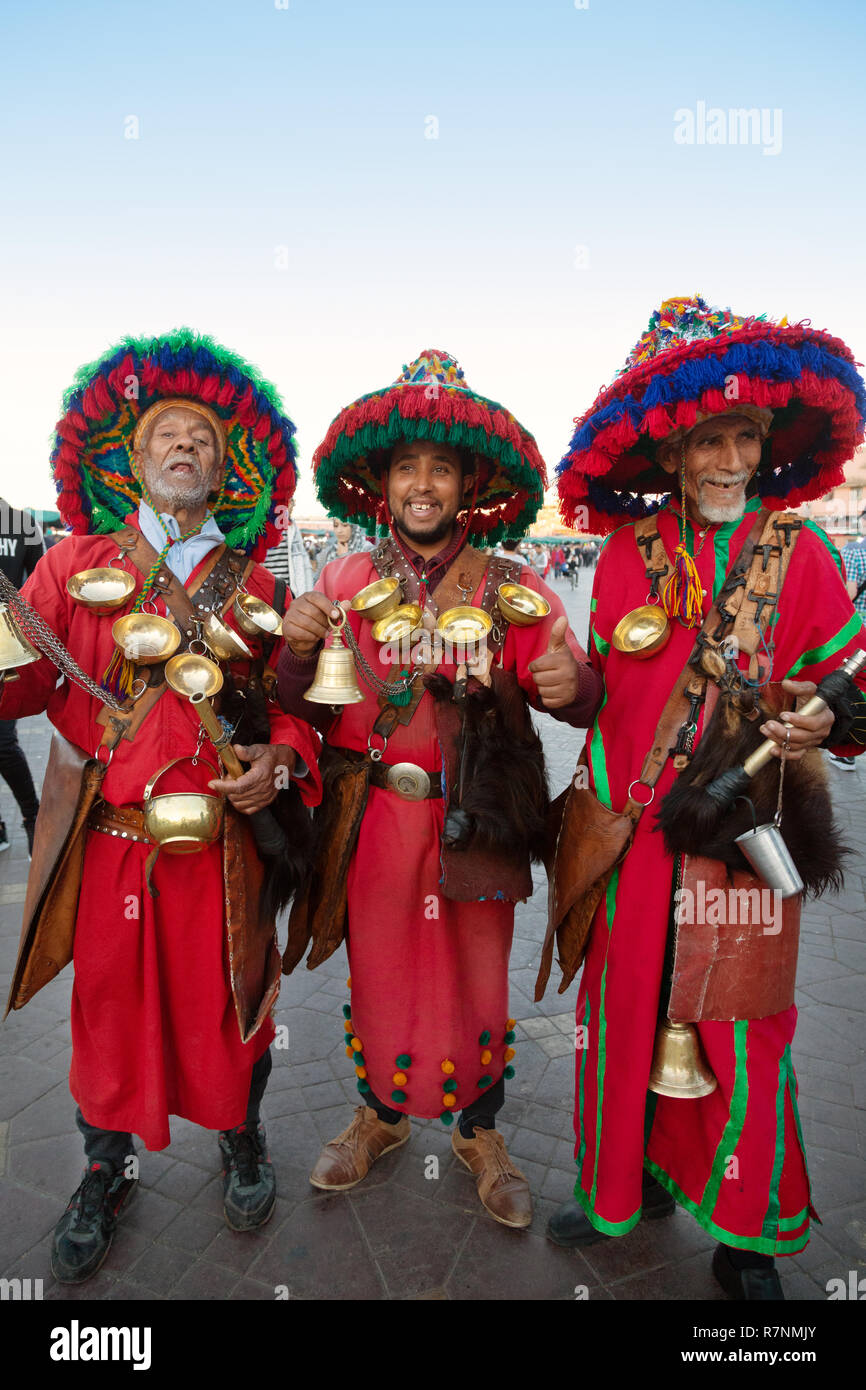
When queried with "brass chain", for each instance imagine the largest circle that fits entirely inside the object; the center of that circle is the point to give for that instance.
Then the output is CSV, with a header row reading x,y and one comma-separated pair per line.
x,y
375,682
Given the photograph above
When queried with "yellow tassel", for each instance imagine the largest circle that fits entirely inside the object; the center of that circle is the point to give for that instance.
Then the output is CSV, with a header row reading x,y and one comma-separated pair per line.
x,y
683,595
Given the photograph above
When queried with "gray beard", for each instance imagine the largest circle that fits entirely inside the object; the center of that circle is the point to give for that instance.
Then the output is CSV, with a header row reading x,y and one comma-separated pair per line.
x,y
168,494
720,516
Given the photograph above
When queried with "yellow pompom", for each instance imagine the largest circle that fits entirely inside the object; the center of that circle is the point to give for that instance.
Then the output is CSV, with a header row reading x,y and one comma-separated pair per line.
x,y
448,1101
447,1067
361,1071
510,1023
399,1078
509,1053
356,1045
486,1057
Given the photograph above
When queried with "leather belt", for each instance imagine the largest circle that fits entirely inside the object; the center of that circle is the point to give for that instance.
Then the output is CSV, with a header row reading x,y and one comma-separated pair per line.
x,y
124,822
409,781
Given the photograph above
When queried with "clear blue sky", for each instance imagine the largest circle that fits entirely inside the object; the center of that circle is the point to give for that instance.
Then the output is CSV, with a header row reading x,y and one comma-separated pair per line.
x,y
305,128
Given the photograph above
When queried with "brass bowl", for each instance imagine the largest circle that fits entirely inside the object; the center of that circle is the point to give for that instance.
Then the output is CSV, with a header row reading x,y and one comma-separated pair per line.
x,y
642,632
377,600
15,650
183,822
189,674
404,620
145,637
464,626
520,605
254,616
101,590
225,644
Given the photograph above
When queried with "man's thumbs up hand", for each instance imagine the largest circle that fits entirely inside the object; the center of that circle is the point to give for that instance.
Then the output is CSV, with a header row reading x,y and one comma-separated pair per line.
x,y
556,672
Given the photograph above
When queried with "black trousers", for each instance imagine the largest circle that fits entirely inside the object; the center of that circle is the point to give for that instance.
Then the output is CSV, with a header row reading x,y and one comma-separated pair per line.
x,y
480,1114
14,768
114,1147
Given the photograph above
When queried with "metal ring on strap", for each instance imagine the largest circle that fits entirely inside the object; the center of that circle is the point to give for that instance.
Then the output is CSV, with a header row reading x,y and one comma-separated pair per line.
x,y
638,783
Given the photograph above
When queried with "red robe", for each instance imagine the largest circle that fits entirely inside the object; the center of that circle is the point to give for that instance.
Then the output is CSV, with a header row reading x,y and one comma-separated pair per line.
x,y
761,1201
429,975
154,1029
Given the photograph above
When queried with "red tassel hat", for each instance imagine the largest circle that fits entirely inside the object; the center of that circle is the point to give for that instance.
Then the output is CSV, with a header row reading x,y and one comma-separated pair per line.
x,y
431,400
693,362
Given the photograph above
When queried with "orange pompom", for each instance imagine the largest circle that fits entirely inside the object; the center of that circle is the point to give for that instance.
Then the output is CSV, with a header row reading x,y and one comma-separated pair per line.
x,y
361,1071
486,1057
510,1023
447,1067
349,1052
349,983
509,1053
399,1078
448,1101
356,1045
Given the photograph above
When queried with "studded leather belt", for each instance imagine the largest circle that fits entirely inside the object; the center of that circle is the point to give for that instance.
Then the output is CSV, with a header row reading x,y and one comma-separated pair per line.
x,y
124,822
408,780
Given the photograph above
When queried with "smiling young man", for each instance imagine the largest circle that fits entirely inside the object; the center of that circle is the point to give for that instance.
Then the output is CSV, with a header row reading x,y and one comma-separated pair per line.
x,y
426,829
731,418
175,975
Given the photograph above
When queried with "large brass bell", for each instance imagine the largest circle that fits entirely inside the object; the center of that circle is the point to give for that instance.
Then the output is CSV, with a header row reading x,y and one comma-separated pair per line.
x,y
679,1068
15,650
335,682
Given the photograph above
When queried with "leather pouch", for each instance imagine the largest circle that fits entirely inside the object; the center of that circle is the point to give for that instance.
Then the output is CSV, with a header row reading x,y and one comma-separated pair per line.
x,y
51,904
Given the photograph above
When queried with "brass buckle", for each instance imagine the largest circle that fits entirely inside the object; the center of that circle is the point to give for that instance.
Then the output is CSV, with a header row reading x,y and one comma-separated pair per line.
x,y
409,781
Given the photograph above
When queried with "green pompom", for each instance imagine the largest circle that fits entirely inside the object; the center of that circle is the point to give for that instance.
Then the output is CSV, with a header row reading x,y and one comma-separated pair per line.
x,y
398,1096
348,1037
446,1117
509,1036
404,1060
363,1086
449,1085
484,1038
508,1073
485,1082
347,1011
402,697
359,1059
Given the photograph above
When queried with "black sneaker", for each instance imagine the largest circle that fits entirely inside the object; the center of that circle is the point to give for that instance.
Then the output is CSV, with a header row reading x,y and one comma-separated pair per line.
x,y
249,1185
83,1235
752,1284
4,838
846,764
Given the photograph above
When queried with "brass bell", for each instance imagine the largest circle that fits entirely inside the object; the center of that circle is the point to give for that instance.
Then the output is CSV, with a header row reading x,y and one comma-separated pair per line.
x,y
679,1067
15,650
335,682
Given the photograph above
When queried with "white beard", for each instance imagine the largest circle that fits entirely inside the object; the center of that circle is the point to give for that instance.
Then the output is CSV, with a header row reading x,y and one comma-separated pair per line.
x,y
720,513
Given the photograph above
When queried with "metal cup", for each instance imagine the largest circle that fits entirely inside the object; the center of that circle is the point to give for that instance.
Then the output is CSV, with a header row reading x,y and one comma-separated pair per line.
x,y
769,856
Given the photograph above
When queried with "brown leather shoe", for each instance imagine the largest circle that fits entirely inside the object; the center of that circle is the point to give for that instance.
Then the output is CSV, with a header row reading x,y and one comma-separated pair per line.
x,y
502,1188
349,1157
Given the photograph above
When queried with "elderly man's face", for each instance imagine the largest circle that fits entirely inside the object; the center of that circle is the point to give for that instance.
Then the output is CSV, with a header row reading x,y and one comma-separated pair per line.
x,y
179,459
722,455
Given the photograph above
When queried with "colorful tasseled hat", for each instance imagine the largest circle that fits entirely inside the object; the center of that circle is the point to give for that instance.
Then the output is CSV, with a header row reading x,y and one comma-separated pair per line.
x,y
92,457
431,400
692,362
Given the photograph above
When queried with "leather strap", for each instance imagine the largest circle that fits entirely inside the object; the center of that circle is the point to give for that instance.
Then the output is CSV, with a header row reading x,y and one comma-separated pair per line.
x,y
125,822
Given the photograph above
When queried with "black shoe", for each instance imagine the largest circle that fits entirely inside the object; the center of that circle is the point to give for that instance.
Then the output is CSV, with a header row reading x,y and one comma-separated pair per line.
x,y
249,1185
83,1235
657,1201
754,1285
4,838
569,1226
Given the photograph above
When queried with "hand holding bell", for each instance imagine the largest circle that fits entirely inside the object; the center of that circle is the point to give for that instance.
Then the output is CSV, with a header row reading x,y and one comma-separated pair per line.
x,y
305,625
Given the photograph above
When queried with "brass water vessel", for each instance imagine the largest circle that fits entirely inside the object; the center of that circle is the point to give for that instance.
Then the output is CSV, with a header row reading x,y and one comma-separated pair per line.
x,y
520,605
182,822
464,626
642,632
101,590
146,637
403,622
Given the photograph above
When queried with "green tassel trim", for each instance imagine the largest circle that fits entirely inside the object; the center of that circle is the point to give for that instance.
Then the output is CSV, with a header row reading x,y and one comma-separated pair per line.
x,y
398,1096
404,1060
510,1035
484,1038
363,1087
449,1085
508,1073
485,1082
347,1011
446,1117
403,697
359,1059
348,1037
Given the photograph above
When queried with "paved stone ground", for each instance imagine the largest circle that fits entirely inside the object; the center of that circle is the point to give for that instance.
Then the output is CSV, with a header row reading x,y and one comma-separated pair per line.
x,y
401,1234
